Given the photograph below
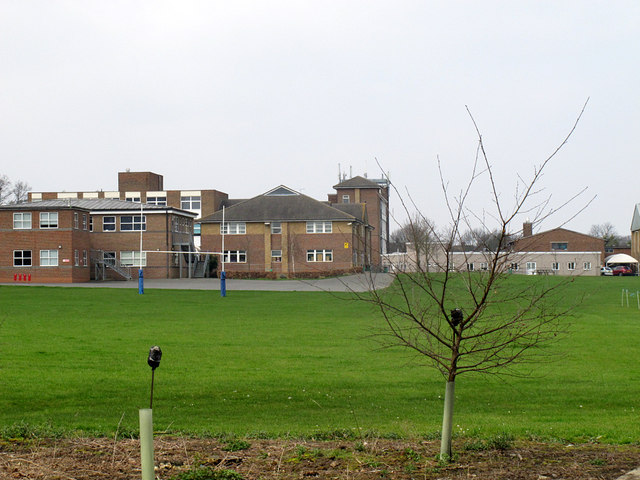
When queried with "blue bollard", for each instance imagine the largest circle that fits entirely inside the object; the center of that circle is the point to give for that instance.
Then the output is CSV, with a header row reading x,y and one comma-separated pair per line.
x,y
223,284
140,282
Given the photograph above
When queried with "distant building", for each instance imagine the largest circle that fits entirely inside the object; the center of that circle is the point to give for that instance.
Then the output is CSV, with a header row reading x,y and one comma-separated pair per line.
x,y
285,233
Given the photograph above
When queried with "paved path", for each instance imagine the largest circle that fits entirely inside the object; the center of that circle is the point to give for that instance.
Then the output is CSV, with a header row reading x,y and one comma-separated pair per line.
x,y
356,283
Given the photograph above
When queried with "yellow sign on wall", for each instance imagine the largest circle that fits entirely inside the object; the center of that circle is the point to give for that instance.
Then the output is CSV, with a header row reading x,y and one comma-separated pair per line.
x,y
346,244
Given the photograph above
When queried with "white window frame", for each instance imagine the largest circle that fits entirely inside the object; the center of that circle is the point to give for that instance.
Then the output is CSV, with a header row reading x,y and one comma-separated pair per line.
x,y
84,221
470,267
21,258
190,202
85,258
160,201
22,221
132,258
276,228
49,258
235,256
586,266
555,266
320,227
484,266
132,199
110,223
233,228
346,199
276,256
109,258
76,220
320,255
571,266
532,266
515,266
137,223
76,258
48,220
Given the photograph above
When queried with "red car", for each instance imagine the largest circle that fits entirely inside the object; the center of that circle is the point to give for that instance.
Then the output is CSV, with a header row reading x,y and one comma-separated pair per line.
x,y
622,270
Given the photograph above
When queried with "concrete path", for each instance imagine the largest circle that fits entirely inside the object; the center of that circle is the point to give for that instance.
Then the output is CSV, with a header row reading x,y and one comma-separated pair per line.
x,y
355,283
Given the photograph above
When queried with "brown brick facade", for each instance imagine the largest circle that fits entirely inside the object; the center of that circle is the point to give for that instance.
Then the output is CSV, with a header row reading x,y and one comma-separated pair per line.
x,y
560,239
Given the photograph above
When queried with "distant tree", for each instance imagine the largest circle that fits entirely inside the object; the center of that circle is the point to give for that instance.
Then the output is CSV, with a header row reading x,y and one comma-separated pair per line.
x,y
416,230
20,192
466,321
607,232
5,189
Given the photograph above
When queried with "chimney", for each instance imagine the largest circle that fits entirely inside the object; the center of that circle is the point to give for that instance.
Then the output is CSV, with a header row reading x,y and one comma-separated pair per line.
x,y
527,228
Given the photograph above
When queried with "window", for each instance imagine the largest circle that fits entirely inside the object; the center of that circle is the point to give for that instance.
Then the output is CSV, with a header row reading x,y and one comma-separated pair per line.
x,y
48,258
91,223
84,221
484,266
76,258
276,256
132,199
196,229
555,266
531,266
48,219
75,219
161,201
276,227
132,259
235,256
559,245
129,223
109,258
84,258
318,227
470,267
22,258
514,267
571,265
190,203
108,224
319,255
345,198
233,228
21,221
586,266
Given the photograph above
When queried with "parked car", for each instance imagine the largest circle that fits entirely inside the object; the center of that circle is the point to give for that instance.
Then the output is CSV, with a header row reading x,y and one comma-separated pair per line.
x,y
622,270
606,271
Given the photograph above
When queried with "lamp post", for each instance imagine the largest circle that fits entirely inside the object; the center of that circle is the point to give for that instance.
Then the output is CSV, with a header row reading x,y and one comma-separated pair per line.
x,y
146,421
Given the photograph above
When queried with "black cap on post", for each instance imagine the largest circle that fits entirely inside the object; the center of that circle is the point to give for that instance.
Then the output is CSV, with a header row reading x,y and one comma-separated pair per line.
x,y
155,354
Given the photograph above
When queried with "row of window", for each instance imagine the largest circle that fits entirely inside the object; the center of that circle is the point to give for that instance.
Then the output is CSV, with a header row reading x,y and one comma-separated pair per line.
x,y
48,258
49,220
555,266
186,202
240,228
22,220
240,256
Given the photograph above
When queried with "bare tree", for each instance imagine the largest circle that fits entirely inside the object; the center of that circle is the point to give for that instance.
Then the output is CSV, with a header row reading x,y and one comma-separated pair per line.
x,y
607,232
5,189
466,321
20,192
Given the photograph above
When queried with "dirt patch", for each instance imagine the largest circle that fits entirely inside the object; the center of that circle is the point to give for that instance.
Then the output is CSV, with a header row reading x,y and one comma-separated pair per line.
x,y
102,458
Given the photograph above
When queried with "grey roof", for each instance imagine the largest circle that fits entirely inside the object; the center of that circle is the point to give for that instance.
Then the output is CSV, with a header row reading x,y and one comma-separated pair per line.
x,y
280,204
357,182
358,210
91,204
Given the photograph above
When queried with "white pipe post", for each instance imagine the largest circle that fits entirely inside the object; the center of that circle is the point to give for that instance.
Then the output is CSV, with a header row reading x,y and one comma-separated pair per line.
x,y
447,422
627,298
146,444
222,232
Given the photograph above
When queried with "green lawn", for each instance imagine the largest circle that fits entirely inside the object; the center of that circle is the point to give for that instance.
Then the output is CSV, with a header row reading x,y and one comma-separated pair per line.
x,y
295,363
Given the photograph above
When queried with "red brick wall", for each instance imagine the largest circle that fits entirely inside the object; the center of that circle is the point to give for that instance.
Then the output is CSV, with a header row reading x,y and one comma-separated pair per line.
x,y
136,181
576,242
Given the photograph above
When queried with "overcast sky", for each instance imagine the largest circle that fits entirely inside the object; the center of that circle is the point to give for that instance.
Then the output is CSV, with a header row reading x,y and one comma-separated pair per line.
x,y
242,96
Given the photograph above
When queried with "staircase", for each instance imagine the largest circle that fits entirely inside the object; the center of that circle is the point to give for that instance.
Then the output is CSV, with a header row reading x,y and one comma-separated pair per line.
x,y
201,267
101,263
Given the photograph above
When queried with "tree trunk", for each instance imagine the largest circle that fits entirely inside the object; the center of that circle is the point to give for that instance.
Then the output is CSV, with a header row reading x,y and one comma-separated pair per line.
x,y
447,421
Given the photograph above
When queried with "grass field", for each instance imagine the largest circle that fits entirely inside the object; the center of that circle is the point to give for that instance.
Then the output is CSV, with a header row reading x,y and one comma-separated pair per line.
x,y
271,363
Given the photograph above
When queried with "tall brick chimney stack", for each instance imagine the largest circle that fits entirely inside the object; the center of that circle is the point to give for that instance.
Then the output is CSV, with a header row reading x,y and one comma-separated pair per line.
x,y
527,228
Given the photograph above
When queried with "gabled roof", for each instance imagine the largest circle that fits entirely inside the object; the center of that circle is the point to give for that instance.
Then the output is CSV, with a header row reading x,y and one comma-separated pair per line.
x,y
357,182
92,205
635,222
358,210
280,204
